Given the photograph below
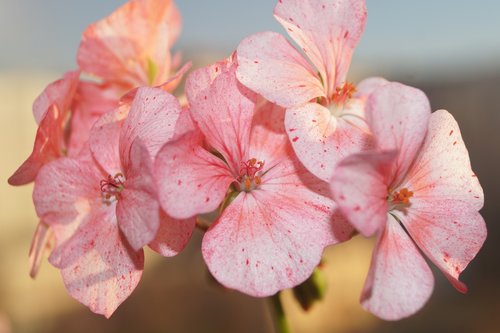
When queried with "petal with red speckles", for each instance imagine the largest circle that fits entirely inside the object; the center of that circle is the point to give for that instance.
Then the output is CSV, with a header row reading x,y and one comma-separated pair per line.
x,y
152,118
321,140
224,112
359,186
399,281
398,116
327,32
272,67
443,218
190,180
270,239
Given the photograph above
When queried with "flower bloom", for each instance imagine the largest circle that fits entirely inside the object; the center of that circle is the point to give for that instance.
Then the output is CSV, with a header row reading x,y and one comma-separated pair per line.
x,y
102,205
416,192
276,217
324,112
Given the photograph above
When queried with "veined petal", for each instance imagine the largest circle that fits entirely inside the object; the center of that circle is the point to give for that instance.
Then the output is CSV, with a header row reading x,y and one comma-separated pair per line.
x,y
199,80
398,116
327,31
105,137
190,180
66,189
321,140
60,93
266,241
270,66
443,218
98,268
152,118
224,112
127,45
48,146
359,186
399,281
172,235
138,210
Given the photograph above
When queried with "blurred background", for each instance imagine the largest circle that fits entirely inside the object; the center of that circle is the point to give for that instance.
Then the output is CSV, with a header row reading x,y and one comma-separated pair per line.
x,y
449,49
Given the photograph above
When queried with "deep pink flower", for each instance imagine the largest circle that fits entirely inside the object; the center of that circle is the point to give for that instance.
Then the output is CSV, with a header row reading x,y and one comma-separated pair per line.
x,y
278,218
416,192
324,116
51,111
102,205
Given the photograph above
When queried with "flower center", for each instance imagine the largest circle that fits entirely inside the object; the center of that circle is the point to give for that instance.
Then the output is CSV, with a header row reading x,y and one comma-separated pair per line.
x,y
341,97
250,175
400,199
111,188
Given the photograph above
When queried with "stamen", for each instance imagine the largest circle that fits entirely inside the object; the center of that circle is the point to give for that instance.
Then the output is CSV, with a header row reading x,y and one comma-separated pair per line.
x,y
250,175
401,197
343,93
111,188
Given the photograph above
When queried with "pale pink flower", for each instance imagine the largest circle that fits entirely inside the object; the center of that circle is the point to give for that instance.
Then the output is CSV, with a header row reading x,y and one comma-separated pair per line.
x,y
278,218
131,47
417,193
102,205
324,116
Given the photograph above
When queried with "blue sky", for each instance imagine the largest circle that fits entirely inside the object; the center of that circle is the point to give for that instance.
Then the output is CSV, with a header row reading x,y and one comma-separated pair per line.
x,y
425,35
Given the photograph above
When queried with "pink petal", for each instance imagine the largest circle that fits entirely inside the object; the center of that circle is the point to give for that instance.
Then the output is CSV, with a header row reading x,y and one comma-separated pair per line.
x,y
59,92
269,239
321,140
359,186
152,119
224,112
398,116
175,79
98,268
124,46
172,236
104,140
201,79
443,218
190,180
138,210
66,189
91,101
399,281
49,145
327,32
367,86
270,66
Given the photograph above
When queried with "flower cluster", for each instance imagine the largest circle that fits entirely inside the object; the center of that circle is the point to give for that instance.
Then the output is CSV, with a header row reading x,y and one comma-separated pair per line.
x,y
273,141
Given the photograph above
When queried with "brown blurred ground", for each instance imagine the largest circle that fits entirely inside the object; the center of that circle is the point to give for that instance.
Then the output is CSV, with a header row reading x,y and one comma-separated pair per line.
x,y
175,294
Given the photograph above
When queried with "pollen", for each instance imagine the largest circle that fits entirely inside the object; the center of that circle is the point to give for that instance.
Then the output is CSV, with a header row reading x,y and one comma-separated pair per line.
x,y
250,175
343,93
401,197
111,187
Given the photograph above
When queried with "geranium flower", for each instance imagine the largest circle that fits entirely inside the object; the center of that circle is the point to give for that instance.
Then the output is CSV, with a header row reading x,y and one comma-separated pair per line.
x,y
416,192
131,47
102,205
277,217
324,112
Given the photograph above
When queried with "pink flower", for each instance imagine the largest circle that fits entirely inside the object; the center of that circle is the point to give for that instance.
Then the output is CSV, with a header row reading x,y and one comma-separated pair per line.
x,y
277,217
102,205
131,47
416,192
51,110
324,112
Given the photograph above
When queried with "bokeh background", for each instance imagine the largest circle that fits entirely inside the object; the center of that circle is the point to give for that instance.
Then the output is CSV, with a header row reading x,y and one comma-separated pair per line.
x,y
449,49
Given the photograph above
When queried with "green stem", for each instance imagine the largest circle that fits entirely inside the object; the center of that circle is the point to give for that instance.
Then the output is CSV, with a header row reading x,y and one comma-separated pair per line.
x,y
280,321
